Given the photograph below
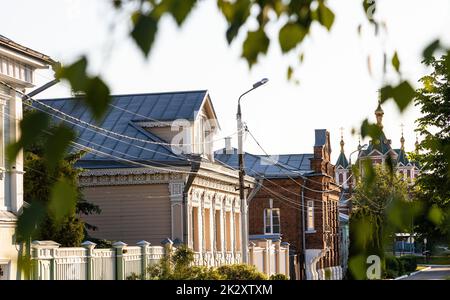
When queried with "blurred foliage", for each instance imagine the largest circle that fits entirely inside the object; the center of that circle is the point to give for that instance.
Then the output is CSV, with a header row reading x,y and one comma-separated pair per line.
x,y
432,188
381,208
398,266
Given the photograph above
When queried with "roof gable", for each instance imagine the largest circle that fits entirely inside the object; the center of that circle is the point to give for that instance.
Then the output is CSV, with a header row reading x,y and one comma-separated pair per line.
x,y
120,119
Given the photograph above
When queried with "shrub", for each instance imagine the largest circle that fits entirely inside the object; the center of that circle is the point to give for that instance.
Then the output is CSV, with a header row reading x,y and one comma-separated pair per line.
x,y
392,267
409,263
278,277
241,272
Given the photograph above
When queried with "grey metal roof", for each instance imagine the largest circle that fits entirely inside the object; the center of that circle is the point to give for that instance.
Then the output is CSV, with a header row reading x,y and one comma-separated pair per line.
x,y
292,165
121,120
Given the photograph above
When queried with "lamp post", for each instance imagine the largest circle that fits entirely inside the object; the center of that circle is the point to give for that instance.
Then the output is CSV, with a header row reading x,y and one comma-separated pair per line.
x,y
240,128
360,148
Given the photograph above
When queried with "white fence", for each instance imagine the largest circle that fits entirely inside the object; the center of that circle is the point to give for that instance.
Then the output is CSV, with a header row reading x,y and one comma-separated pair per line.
x,y
87,263
270,257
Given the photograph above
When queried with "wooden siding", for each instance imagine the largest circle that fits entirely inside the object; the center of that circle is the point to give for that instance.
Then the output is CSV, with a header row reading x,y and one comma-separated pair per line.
x,y
129,214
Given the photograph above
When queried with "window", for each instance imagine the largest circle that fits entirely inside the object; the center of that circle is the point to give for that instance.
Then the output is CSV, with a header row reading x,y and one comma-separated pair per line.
x,y
218,231
341,178
310,216
272,221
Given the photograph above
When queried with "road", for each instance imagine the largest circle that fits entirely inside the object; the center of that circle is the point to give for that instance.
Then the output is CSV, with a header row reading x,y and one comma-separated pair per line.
x,y
435,273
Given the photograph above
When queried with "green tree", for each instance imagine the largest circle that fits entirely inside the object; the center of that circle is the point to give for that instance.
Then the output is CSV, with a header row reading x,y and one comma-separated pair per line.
x,y
432,187
382,208
68,230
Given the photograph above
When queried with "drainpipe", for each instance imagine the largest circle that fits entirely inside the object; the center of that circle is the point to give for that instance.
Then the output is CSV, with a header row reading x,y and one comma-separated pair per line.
x,y
40,89
195,166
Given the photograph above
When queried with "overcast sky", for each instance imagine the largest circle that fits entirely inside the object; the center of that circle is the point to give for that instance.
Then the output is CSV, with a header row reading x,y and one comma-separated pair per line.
x,y
335,87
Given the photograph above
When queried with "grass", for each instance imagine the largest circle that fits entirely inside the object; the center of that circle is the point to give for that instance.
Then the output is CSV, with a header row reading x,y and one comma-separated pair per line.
x,y
434,260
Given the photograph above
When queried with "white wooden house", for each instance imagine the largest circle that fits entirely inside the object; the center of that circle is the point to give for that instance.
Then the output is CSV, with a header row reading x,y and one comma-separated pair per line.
x,y
17,67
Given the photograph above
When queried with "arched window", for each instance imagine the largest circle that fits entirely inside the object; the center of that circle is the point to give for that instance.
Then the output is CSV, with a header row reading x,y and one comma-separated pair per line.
x,y
341,178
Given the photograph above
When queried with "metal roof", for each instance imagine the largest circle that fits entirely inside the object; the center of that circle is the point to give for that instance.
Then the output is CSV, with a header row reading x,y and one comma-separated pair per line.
x,y
120,118
292,165
342,160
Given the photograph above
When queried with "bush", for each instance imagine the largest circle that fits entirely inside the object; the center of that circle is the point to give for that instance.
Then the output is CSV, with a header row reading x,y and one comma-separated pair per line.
x,y
409,263
392,267
178,266
241,272
278,277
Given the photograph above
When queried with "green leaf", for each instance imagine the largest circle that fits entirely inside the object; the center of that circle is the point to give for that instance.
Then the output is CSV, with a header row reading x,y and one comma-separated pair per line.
x,y
75,74
236,14
290,36
256,42
369,129
179,9
29,221
57,144
358,266
144,31
97,97
396,62
370,7
403,94
290,71
326,16
63,198
31,126
430,49
435,215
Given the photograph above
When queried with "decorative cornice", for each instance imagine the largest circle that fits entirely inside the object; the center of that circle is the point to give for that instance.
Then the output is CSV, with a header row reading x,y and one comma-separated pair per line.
x,y
151,124
112,177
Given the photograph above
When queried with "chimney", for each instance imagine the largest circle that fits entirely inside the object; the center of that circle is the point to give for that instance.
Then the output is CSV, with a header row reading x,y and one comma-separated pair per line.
x,y
228,148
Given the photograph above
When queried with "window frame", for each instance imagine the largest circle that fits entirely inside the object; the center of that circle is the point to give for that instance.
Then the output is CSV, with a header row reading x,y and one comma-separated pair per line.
x,y
270,211
310,216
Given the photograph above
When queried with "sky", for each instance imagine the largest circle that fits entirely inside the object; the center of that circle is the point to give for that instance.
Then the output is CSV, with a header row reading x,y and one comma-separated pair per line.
x,y
335,87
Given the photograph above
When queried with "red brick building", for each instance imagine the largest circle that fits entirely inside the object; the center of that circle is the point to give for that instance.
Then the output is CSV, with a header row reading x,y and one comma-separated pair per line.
x,y
296,200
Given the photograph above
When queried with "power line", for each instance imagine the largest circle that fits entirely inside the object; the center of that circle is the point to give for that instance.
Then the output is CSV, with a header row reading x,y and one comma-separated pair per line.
x,y
281,166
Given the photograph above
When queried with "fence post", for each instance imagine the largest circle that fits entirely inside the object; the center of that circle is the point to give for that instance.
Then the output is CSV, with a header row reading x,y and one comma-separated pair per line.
x,y
120,268
266,255
277,256
251,253
168,245
44,253
144,258
287,260
89,258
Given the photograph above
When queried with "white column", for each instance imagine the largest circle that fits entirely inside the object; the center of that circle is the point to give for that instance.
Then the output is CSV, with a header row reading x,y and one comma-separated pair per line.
x,y
211,228
4,200
200,227
176,209
16,168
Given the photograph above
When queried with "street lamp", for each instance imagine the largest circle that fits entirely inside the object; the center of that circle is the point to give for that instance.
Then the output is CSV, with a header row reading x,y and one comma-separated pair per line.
x,y
360,148
240,127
